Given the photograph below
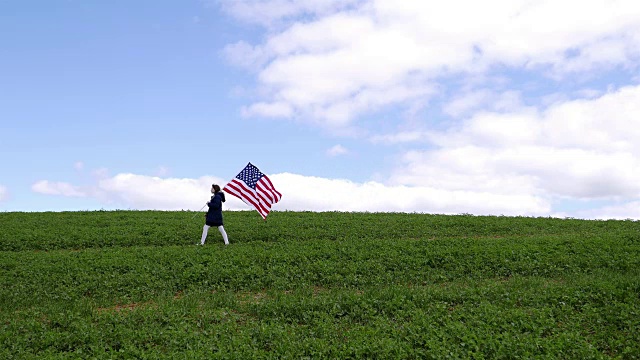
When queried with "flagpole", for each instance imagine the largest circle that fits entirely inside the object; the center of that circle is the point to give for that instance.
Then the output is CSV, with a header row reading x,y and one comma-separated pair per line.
x,y
194,215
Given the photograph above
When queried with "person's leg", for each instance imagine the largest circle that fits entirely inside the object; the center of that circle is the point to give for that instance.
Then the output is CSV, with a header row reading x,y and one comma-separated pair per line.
x,y
205,230
224,235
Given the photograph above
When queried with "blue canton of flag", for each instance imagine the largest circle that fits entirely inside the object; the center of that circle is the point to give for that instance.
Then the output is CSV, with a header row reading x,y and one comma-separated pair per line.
x,y
250,175
255,189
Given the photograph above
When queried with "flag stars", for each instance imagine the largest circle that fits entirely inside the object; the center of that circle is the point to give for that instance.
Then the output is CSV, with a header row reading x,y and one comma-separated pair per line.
x,y
250,175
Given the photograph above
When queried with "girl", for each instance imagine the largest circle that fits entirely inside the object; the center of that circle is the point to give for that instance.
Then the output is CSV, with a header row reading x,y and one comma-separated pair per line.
x,y
214,215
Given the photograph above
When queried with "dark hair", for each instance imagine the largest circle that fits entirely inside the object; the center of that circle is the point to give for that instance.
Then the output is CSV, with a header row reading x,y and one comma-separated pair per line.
x,y
216,188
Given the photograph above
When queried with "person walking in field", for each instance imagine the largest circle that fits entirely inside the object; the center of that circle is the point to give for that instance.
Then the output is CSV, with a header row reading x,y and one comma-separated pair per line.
x,y
214,215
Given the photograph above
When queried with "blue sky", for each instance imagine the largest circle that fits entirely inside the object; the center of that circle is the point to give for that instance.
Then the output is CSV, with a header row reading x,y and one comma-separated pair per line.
x,y
499,107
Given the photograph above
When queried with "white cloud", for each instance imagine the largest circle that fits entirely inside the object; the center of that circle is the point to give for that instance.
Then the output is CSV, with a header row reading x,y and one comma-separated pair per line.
x,y
79,165
100,173
57,188
337,150
400,137
517,162
279,109
629,210
149,192
4,193
582,149
332,61
471,101
523,170
245,55
300,193
141,192
268,12
603,124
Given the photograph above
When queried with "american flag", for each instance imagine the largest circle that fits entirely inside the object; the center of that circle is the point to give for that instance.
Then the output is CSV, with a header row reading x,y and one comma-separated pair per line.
x,y
255,189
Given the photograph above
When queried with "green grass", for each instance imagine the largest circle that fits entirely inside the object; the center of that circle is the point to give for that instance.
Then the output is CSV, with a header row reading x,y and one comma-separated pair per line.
x,y
134,284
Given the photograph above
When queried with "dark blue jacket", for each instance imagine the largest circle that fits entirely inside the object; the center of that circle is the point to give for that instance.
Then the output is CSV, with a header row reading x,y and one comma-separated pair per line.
x,y
214,214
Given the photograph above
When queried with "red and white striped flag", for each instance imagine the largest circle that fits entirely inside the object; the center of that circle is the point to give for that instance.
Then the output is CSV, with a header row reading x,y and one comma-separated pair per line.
x,y
255,189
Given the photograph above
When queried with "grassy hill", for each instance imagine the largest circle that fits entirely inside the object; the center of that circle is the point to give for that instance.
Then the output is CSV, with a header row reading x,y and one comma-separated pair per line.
x,y
134,284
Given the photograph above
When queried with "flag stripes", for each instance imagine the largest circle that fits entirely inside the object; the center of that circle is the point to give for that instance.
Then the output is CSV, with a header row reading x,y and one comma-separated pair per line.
x,y
255,189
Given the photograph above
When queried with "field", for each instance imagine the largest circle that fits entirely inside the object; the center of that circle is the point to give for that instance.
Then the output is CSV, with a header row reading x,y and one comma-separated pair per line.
x,y
134,284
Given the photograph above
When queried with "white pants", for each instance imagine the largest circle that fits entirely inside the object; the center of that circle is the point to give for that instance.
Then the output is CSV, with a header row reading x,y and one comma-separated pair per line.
x,y
205,230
